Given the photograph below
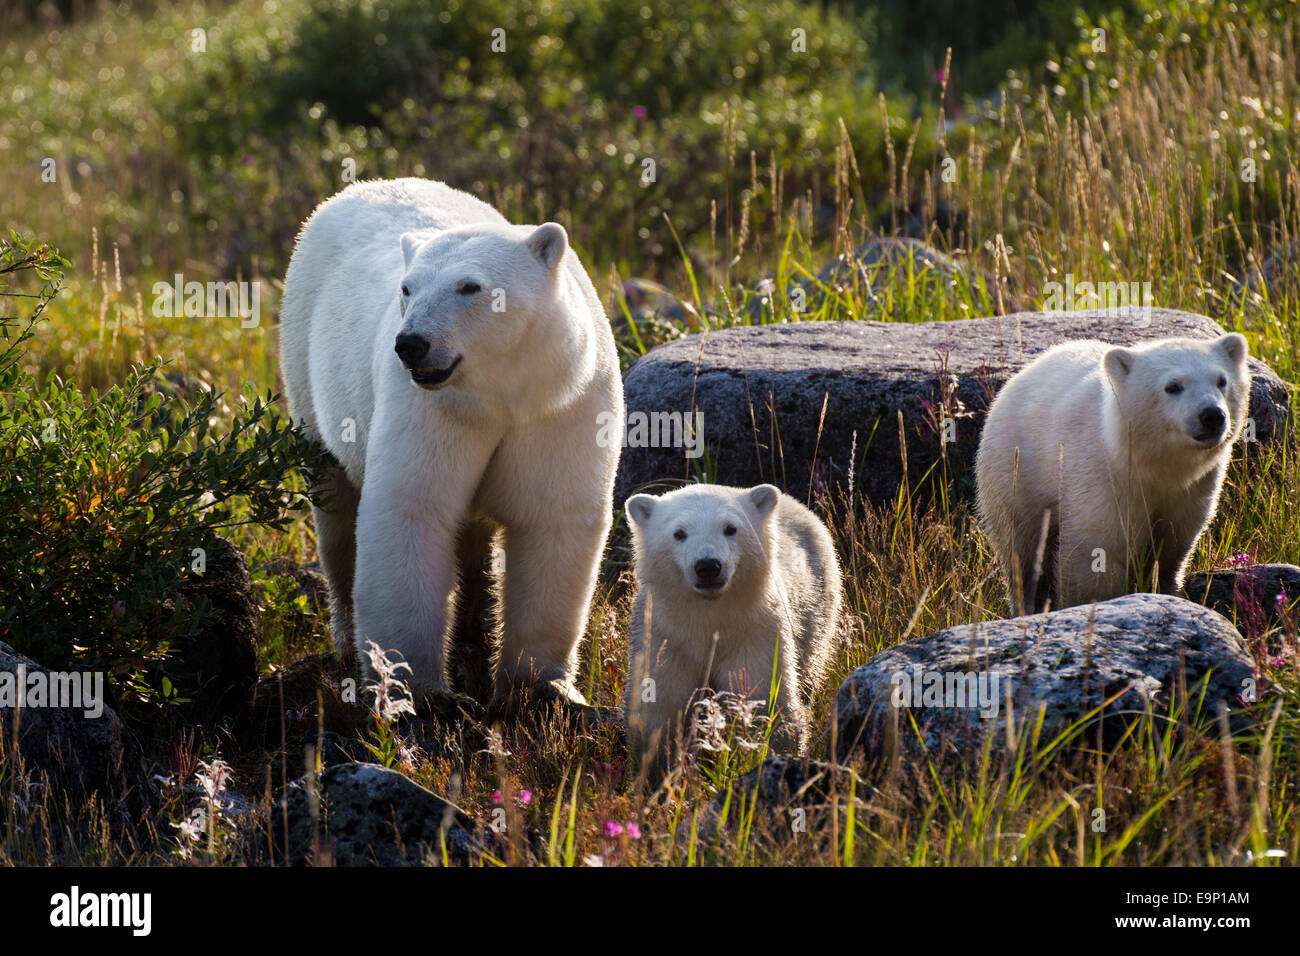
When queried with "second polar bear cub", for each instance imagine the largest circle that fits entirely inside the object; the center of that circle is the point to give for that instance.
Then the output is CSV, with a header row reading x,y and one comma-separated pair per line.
x,y
1125,450
751,566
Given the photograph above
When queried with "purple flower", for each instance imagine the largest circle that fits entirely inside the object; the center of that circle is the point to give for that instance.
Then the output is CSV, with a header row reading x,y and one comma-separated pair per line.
x,y
525,796
613,828
496,797
638,111
634,831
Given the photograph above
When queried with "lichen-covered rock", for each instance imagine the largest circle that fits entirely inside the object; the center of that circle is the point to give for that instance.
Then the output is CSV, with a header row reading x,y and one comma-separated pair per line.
x,y
961,684
760,392
369,816
78,747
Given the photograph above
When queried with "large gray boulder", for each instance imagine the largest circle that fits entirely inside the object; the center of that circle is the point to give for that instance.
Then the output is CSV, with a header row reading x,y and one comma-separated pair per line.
x,y
368,815
956,684
760,392
78,745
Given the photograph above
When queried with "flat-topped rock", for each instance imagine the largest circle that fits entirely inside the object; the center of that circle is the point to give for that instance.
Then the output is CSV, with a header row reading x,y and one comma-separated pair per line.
x,y
963,684
760,392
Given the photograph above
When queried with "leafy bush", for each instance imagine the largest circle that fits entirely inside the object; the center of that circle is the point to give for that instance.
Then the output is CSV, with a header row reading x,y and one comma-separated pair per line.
x,y
560,123
104,499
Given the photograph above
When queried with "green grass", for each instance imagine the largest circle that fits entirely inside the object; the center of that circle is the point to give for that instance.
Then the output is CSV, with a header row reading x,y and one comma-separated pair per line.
x,y
1138,180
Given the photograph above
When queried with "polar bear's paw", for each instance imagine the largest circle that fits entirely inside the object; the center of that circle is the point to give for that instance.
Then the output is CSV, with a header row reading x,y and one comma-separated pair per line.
x,y
447,707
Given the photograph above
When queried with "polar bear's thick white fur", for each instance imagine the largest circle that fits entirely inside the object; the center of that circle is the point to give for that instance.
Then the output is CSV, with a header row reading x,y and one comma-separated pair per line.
x,y
489,419
1125,448
753,567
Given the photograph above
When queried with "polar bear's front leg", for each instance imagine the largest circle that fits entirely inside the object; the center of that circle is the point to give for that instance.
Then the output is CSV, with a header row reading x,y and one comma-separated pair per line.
x,y
791,732
549,579
1178,529
335,521
413,504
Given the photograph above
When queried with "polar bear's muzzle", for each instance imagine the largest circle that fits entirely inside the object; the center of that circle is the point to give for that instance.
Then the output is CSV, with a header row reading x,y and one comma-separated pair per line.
x,y
710,578
428,367
431,376
1211,424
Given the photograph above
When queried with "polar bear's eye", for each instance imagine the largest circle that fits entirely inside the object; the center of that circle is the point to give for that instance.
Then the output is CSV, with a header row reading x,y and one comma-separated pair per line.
x,y
1223,381
679,534
729,530
468,288
405,290
1173,388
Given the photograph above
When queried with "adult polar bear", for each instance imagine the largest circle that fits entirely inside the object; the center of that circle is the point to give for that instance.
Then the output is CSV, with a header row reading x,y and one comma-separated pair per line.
x,y
457,367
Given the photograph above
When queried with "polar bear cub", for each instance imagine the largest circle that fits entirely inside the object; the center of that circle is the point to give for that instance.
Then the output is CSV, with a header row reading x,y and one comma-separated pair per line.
x,y
1125,450
751,566
457,367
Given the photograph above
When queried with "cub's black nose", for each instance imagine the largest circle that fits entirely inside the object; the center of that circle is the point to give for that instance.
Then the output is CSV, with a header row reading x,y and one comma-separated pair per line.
x,y
708,569
1212,420
411,348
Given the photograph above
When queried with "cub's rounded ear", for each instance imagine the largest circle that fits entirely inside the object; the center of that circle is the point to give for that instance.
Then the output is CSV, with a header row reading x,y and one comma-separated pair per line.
x,y
1234,346
1118,363
639,508
763,498
548,242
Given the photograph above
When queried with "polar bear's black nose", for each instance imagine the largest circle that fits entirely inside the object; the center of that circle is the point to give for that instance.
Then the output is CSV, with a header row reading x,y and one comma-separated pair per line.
x,y
1213,420
708,569
411,348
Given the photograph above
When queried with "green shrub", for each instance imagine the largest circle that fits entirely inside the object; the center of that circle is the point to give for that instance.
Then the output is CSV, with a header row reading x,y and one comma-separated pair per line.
x,y
560,123
105,497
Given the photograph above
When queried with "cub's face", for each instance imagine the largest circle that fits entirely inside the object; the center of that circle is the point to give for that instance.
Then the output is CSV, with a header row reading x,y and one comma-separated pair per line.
x,y
703,539
469,296
1187,394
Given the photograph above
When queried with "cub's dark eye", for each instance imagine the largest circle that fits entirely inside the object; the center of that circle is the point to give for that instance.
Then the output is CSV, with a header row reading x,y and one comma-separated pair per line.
x,y
469,288
1223,382
679,534
729,530
405,290
1173,388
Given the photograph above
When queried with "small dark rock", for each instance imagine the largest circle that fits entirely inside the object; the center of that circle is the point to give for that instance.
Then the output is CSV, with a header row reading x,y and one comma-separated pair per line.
x,y
309,578
220,661
369,816
1247,596
297,700
79,747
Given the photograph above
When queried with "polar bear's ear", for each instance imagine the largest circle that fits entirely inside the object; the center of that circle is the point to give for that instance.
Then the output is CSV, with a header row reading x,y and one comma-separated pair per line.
x,y
548,242
1234,346
763,498
639,508
1118,363
411,243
